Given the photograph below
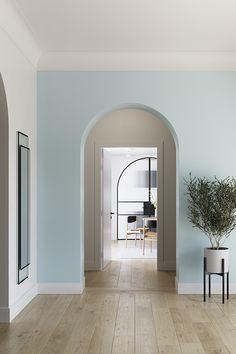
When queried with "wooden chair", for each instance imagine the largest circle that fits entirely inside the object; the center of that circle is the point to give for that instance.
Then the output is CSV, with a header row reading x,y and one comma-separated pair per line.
x,y
134,231
151,237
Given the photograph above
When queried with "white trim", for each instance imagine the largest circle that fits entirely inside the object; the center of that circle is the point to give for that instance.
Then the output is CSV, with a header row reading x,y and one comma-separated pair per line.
x,y
4,314
197,288
61,288
122,61
8,314
20,304
14,25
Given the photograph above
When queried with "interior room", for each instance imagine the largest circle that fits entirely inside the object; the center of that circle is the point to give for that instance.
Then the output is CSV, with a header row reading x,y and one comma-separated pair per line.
x,y
117,176
133,193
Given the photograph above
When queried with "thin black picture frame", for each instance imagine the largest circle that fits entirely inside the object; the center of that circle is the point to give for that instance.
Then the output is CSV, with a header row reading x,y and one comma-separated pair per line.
x,y
19,266
19,209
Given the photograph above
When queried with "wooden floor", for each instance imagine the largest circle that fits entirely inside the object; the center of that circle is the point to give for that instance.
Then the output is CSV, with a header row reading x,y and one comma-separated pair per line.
x,y
127,308
131,274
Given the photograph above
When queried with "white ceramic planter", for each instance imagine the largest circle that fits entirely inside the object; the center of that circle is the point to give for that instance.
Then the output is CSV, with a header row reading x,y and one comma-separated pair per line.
x,y
214,259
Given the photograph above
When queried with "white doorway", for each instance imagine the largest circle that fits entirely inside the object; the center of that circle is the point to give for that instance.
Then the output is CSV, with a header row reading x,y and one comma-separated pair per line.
x,y
130,185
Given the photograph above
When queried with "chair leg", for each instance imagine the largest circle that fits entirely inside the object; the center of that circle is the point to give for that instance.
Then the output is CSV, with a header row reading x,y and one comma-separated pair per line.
x,y
139,236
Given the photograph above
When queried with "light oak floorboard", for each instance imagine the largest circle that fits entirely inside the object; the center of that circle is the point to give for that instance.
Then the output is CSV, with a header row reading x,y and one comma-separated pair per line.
x,y
145,334
123,342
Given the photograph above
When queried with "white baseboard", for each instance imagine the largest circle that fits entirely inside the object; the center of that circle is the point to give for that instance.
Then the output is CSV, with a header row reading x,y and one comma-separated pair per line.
x,y
61,288
4,314
20,304
8,314
197,288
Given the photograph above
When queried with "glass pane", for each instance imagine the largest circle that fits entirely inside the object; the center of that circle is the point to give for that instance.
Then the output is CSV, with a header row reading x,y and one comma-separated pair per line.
x,y
130,208
23,274
23,207
132,184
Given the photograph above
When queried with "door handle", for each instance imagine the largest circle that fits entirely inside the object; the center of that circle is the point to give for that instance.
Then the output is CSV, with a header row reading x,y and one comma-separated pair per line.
x,y
112,213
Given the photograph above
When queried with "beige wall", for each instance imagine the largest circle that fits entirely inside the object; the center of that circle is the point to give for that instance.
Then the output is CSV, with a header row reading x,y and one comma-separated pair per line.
x,y
134,128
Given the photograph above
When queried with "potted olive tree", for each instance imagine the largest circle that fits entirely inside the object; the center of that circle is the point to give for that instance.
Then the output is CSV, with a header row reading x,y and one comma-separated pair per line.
x,y
212,209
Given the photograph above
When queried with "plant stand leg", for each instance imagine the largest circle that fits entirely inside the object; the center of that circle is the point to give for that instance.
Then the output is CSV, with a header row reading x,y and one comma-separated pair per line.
x,y
227,285
209,288
204,279
223,280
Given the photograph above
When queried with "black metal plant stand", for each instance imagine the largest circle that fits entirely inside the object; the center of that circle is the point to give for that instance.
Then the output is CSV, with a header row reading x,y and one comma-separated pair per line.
x,y
222,274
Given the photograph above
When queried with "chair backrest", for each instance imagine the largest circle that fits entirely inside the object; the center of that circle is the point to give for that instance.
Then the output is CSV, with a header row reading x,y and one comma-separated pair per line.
x,y
152,225
131,219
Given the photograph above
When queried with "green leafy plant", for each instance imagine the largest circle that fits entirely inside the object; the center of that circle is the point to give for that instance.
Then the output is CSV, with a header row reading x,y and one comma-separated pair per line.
x,y
212,207
154,200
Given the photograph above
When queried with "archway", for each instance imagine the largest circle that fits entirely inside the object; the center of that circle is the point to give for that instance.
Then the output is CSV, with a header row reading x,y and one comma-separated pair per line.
x,y
130,126
4,146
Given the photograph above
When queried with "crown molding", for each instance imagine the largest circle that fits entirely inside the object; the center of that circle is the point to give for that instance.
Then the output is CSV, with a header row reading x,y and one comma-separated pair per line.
x,y
15,27
121,61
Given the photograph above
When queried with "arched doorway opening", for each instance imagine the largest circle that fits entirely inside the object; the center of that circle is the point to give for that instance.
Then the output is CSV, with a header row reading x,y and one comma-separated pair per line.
x,y
132,126
4,146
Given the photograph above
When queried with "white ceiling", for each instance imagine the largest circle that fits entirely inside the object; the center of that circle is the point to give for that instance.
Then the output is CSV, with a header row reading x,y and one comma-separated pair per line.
x,y
131,25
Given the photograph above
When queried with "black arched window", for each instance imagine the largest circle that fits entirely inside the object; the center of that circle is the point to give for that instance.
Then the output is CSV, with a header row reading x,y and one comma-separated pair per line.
x,y
136,192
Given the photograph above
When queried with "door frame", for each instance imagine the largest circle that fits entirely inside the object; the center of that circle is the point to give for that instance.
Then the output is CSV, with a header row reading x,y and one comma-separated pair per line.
x,y
98,146
101,208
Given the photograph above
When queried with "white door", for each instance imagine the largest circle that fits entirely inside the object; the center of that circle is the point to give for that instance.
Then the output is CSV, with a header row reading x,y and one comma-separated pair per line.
x,y
106,207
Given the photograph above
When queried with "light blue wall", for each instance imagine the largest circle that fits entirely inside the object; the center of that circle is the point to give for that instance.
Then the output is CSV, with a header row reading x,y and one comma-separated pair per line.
x,y
201,106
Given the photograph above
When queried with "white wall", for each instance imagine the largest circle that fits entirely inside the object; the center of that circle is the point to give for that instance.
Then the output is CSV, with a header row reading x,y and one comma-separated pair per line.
x,y
4,224
118,163
17,66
